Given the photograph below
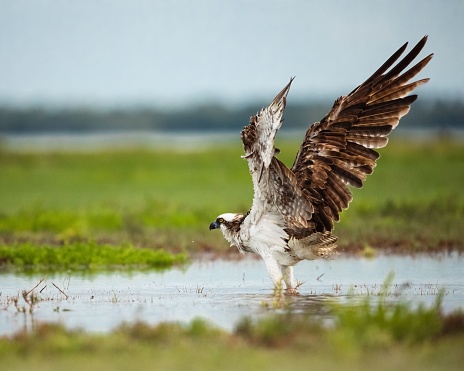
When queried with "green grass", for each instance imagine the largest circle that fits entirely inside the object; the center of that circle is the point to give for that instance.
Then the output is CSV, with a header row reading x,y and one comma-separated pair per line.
x,y
363,337
88,256
414,201
115,179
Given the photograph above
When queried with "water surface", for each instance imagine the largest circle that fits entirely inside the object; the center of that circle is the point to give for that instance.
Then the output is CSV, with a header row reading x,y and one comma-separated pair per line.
x,y
222,291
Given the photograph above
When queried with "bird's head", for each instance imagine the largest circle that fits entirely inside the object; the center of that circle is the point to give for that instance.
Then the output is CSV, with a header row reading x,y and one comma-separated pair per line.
x,y
229,224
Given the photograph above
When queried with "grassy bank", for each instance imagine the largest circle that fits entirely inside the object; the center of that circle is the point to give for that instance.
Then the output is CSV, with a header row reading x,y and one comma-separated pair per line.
x,y
413,202
29,257
363,337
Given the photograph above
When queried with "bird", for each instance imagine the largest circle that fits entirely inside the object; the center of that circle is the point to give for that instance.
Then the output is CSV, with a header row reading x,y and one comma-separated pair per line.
x,y
294,209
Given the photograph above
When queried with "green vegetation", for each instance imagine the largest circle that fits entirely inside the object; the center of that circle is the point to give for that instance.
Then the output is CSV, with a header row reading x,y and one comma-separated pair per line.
x,y
413,202
385,336
88,256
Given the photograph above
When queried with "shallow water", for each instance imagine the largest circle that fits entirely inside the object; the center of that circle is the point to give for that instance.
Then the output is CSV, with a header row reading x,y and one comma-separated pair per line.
x,y
222,291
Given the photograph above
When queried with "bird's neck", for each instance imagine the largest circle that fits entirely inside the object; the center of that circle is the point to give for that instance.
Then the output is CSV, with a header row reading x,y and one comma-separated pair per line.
x,y
233,237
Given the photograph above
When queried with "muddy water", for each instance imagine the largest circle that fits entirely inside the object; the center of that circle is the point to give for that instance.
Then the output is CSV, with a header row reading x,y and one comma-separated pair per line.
x,y
221,291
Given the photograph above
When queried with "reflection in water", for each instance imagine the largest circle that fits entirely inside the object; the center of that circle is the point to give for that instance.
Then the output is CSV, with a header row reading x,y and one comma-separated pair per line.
x,y
221,291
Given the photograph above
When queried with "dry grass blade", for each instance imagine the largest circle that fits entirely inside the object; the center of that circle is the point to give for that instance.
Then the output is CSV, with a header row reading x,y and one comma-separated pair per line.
x,y
60,290
27,293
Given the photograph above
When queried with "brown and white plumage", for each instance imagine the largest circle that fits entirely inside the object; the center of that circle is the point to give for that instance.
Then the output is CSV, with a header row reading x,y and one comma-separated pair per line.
x,y
294,210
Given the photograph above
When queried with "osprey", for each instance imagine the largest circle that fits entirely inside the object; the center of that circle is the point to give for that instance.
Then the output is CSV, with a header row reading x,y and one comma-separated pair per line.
x,y
294,210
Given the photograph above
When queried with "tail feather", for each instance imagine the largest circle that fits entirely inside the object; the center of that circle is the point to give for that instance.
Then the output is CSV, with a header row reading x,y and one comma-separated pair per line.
x,y
317,245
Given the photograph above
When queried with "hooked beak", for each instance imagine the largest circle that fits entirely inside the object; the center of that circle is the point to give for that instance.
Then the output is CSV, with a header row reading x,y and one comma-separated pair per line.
x,y
213,225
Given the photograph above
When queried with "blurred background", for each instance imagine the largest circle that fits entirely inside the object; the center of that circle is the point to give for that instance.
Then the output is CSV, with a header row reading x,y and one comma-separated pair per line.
x,y
105,67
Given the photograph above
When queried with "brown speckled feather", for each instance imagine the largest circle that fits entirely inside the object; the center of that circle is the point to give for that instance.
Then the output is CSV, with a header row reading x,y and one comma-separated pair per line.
x,y
337,151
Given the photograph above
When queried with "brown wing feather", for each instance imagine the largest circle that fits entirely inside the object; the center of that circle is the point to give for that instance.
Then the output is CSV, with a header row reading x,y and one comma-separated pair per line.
x,y
337,151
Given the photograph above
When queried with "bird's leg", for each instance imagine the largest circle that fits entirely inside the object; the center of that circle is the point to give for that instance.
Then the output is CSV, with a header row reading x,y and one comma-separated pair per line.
x,y
273,268
287,275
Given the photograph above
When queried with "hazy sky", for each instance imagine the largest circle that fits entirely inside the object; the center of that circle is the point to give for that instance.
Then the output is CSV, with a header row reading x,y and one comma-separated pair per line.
x,y
171,53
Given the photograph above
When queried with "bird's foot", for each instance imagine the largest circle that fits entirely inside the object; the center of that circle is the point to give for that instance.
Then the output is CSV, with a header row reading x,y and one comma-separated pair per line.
x,y
292,291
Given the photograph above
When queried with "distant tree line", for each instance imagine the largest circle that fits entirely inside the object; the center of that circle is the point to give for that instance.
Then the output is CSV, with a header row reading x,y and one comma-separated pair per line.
x,y
434,114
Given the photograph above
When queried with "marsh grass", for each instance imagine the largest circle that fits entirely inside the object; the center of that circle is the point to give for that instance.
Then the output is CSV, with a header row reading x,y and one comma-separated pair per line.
x,y
89,256
381,334
159,199
368,317
386,319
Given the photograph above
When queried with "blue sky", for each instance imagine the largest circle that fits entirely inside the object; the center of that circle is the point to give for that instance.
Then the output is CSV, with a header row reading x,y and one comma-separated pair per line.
x,y
167,54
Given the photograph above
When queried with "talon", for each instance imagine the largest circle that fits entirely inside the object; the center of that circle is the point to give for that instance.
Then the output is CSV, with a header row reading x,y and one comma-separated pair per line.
x,y
292,291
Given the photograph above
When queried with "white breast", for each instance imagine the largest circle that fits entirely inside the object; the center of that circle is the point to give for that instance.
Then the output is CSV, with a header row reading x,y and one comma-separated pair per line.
x,y
266,236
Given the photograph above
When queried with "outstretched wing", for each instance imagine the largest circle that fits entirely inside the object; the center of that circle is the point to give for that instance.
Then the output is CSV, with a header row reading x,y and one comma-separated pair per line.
x,y
276,189
258,136
337,151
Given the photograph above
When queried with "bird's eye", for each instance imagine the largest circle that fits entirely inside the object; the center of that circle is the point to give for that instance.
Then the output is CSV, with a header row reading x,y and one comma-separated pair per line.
x,y
220,220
